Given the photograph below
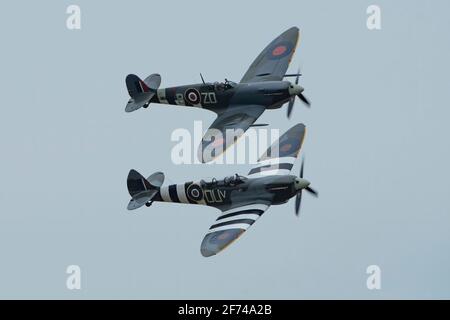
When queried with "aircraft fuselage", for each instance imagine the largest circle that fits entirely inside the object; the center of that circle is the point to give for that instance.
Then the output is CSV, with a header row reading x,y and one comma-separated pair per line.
x,y
218,97
233,190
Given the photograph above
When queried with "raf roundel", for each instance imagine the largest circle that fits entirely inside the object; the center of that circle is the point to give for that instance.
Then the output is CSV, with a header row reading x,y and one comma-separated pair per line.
x,y
192,96
288,147
280,50
195,192
218,142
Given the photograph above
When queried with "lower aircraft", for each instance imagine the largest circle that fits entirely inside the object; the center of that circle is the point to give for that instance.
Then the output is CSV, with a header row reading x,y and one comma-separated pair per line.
x,y
241,199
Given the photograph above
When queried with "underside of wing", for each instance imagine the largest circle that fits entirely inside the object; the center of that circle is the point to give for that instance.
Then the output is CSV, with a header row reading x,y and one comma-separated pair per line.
x,y
273,62
280,157
229,226
226,129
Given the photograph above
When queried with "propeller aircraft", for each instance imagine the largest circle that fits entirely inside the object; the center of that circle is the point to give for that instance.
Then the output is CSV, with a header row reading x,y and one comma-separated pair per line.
x,y
237,105
241,199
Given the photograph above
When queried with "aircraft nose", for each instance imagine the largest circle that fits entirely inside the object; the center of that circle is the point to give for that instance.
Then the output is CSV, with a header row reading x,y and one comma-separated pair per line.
x,y
301,183
295,89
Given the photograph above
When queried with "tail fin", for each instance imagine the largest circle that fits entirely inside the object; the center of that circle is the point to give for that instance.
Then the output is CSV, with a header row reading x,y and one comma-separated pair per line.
x,y
142,190
141,91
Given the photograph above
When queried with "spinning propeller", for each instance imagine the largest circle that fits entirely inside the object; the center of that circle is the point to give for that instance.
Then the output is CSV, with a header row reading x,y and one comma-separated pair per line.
x,y
299,95
298,198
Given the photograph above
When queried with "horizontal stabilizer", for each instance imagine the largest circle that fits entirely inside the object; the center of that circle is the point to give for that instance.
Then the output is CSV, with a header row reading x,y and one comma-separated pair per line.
x,y
156,179
139,101
141,198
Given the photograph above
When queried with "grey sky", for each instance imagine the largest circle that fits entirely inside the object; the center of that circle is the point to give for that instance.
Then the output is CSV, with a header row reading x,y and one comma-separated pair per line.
x,y
377,150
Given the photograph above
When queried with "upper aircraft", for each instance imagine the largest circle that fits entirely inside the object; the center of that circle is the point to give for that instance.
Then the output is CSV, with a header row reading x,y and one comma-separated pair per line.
x,y
237,105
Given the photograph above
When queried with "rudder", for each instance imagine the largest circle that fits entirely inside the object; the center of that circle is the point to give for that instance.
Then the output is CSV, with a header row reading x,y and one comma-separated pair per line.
x,y
135,85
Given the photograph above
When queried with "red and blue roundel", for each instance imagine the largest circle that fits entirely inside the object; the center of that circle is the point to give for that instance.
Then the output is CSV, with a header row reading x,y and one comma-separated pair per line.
x,y
280,50
289,147
192,96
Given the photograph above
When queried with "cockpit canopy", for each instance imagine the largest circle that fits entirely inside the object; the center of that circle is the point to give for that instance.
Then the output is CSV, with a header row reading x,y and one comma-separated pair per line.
x,y
228,181
222,86
234,180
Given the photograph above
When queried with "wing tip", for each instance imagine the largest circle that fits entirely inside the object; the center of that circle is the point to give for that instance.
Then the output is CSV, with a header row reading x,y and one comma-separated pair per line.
x,y
207,253
293,29
286,145
217,241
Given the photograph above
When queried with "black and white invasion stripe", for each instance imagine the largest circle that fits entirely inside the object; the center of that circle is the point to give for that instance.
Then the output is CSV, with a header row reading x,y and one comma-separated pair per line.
x,y
238,218
272,166
179,193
